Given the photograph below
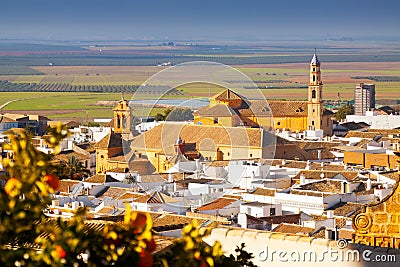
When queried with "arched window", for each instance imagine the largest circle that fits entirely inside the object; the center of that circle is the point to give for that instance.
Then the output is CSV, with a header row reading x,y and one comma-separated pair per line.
x,y
313,94
118,122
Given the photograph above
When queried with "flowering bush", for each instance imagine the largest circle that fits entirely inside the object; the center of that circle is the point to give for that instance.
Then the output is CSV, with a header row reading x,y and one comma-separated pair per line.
x,y
29,238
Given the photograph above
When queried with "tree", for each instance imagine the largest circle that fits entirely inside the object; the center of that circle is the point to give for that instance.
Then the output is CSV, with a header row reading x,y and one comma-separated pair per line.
x,y
180,114
72,169
29,238
343,111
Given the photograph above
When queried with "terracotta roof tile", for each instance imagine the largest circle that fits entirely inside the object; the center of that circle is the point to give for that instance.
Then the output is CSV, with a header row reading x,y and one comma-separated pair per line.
x,y
4,119
316,174
293,229
98,178
346,233
169,132
288,108
325,186
264,192
219,203
64,184
111,140
346,209
220,110
227,95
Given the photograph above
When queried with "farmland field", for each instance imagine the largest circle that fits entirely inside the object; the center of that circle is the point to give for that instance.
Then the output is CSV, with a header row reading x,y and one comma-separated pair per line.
x,y
98,74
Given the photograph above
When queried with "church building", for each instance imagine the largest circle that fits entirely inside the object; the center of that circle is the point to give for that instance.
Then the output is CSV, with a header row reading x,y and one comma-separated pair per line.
x,y
228,108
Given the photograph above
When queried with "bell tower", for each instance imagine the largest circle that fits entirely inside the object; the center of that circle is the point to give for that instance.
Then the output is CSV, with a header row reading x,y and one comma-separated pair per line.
x,y
315,106
122,117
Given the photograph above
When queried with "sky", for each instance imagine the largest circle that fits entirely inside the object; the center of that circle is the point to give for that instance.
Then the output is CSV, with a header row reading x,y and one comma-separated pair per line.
x,y
198,20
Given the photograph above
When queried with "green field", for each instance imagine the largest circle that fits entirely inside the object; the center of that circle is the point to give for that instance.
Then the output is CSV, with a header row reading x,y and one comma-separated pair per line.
x,y
284,81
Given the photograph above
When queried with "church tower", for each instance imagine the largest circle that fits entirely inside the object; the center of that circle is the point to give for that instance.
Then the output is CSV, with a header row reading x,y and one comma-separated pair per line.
x,y
122,117
315,106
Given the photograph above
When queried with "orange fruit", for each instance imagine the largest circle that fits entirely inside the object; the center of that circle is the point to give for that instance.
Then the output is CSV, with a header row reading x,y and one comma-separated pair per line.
x,y
52,181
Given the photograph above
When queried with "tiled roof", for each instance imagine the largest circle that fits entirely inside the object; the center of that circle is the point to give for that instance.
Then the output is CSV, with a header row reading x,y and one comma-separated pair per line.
x,y
4,119
292,152
129,195
288,108
170,219
369,135
308,193
98,178
264,192
313,147
111,140
217,204
316,174
154,178
218,163
346,233
346,209
325,186
319,233
117,170
291,218
119,158
156,198
115,192
169,132
227,95
219,110
293,229
64,184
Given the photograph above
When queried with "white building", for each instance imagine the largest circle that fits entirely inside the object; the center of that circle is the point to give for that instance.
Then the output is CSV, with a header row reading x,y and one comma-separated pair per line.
x,y
376,121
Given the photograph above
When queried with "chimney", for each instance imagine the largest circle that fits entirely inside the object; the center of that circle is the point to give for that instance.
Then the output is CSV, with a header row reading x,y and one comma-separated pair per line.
x,y
329,214
174,186
319,154
138,178
308,166
369,185
283,162
170,179
302,179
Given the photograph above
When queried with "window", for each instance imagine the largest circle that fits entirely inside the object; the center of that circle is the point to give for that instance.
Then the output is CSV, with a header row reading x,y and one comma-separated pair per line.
x,y
312,123
313,69
215,120
272,212
102,156
229,154
313,94
313,78
251,155
279,123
